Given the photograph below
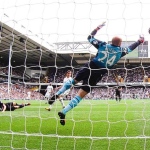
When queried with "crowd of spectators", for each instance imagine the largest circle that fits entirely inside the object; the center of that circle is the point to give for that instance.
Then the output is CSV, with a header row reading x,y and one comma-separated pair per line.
x,y
107,93
18,90
16,72
136,74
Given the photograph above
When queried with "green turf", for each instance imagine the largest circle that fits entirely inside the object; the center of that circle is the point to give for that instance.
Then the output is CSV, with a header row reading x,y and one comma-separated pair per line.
x,y
93,125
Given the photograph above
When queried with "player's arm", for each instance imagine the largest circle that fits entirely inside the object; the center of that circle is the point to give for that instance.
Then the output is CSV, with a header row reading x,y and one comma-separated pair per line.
x,y
132,46
91,38
4,108
116,78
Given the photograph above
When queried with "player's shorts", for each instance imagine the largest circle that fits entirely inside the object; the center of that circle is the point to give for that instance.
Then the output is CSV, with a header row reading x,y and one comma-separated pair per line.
x,y
48,95
9,106
90,74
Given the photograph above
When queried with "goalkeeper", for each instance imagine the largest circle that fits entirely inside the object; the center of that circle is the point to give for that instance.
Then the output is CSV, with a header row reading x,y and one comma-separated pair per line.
x,y
92,72
11,106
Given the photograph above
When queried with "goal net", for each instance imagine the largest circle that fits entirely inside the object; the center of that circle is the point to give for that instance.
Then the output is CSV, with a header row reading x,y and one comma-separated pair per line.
x,y
39,42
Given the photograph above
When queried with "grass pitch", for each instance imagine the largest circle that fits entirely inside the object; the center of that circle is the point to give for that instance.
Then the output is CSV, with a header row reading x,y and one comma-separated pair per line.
x,y
92,125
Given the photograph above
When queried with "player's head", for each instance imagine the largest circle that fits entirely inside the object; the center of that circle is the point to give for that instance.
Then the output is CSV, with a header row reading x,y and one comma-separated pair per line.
x,y
116,41
69,73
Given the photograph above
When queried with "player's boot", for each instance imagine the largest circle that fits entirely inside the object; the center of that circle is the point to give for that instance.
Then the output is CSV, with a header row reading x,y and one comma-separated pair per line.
x,y
62,118
48,109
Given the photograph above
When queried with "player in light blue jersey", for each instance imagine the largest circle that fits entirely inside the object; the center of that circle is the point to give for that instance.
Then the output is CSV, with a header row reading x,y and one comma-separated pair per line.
x,y
92,72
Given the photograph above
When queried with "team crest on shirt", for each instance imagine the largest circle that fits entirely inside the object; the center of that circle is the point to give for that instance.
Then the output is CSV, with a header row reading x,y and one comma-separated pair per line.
x,y
95,42
125,50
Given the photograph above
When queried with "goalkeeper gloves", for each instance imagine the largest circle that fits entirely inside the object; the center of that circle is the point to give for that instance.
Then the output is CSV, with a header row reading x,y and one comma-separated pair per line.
x,y
141,39
101,25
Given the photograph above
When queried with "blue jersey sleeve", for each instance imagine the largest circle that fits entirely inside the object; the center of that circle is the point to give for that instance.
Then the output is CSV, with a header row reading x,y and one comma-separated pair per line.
x,y
130,48
95,42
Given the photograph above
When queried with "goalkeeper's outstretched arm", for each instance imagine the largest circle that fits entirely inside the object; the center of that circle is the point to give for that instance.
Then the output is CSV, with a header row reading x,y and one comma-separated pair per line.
x,y
133,46
91,38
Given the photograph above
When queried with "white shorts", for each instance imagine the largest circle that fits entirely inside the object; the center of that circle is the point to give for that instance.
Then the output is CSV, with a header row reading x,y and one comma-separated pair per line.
x,y
48,95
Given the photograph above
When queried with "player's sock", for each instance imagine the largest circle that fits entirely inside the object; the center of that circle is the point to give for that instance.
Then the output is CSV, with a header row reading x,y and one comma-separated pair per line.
x,y
62,102
50,106
66,86
73,103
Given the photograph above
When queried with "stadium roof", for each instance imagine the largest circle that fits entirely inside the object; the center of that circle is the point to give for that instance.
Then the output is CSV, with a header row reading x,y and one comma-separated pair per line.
x,y
26,51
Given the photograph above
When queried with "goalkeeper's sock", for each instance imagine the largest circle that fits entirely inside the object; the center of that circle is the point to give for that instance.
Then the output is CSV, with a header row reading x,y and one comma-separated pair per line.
x,y
73,103
66,86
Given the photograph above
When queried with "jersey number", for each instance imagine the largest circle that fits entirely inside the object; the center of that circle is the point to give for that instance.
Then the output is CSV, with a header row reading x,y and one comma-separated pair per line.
x,y
110,61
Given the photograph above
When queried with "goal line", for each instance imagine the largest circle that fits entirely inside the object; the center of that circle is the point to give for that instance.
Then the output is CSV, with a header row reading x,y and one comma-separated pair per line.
x,y
75,137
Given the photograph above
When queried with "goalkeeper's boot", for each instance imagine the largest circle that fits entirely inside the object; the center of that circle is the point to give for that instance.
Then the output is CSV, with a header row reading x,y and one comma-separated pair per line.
x,y
62,118
48,109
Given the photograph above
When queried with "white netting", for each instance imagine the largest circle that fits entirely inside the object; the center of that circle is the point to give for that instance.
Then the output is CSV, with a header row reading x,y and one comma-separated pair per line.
x,y
39,41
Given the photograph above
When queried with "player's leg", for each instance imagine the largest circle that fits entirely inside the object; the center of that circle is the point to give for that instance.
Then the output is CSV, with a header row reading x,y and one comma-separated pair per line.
x,y
17,106
50,102
62,101
46,97
62,97
73,103
65,87
10,106
50,105
116,97
91,79
82,74
119,97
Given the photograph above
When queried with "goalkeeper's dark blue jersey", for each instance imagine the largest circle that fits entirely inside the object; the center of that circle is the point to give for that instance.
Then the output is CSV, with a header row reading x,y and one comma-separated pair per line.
x,y
108,54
